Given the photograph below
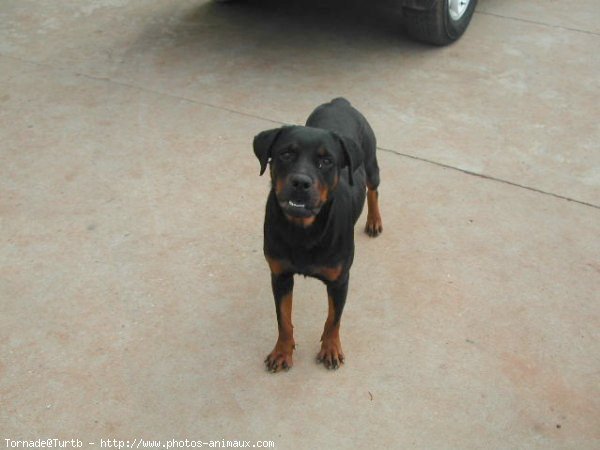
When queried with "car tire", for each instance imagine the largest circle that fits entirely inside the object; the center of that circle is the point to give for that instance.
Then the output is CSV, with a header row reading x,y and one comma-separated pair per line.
x,y
443,24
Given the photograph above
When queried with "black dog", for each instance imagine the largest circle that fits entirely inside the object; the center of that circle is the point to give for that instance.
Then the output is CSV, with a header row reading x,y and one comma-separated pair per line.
x,y
319,175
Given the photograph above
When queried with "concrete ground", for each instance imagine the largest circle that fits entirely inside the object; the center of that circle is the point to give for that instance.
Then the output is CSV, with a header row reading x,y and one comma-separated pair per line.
x,y
134,298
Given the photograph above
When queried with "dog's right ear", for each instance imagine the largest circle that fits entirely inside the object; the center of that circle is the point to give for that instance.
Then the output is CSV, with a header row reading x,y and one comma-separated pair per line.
x,y
263,143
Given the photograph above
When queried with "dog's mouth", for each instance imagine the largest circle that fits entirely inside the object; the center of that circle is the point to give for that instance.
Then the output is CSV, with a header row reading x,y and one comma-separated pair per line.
x,y
298,208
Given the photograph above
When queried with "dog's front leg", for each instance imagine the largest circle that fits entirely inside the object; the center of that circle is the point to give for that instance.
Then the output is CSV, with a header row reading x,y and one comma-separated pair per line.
x,y
331,354
281,356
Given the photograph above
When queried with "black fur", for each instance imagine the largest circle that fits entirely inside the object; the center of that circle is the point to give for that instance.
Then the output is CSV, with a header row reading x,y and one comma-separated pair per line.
x,y
334,153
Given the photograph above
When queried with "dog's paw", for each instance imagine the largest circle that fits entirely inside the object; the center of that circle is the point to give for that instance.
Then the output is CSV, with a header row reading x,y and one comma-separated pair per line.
x,y
277,361
331,354
374,226
280,358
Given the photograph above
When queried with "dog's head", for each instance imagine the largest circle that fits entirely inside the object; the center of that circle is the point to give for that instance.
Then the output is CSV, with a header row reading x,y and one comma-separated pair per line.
x,y
305,165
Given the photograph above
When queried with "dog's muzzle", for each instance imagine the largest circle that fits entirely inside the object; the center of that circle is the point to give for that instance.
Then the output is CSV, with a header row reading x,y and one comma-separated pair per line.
x,y
299,197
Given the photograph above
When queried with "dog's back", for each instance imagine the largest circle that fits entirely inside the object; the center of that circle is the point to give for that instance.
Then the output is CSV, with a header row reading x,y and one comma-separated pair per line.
x,y
342,118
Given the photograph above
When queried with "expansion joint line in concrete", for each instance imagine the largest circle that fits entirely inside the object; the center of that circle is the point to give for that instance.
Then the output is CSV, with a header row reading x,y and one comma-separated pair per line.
x,y
488,177
277,122
534,22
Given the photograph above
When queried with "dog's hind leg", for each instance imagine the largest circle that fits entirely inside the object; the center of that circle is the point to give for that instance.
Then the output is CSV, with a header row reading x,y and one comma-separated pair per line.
x,y
374,225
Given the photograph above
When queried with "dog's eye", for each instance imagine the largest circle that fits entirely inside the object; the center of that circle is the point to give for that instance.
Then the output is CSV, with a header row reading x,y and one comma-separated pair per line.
x,y
325,162
286,156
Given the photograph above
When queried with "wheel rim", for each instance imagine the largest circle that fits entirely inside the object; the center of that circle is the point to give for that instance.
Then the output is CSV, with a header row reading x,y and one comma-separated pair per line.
x,y
457,8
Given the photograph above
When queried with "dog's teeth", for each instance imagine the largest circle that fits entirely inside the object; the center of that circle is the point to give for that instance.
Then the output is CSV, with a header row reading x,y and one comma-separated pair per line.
x,y
295,205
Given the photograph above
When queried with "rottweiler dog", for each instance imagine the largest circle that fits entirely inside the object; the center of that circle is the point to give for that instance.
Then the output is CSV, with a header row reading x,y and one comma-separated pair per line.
x,y
320,176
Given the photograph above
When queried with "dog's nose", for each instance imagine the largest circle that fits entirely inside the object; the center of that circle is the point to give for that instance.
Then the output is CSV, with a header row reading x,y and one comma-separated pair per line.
x,y
301,182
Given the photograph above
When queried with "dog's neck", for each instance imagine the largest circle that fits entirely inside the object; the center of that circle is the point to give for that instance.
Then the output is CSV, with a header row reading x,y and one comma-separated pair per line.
x,y
311,231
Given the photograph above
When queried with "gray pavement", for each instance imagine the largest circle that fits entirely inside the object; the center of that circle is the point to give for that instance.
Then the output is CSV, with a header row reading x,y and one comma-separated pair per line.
x,y
134,298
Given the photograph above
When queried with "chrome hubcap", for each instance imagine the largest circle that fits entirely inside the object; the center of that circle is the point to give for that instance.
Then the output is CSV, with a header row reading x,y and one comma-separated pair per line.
x,y
456,8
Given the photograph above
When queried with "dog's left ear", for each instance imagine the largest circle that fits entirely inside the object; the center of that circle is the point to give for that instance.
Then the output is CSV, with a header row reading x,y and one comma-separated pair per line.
x,y
263,143
353,155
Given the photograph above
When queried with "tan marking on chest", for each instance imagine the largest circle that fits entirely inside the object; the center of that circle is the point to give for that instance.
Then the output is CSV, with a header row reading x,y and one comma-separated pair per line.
x,y
303,222
277,266
330,273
